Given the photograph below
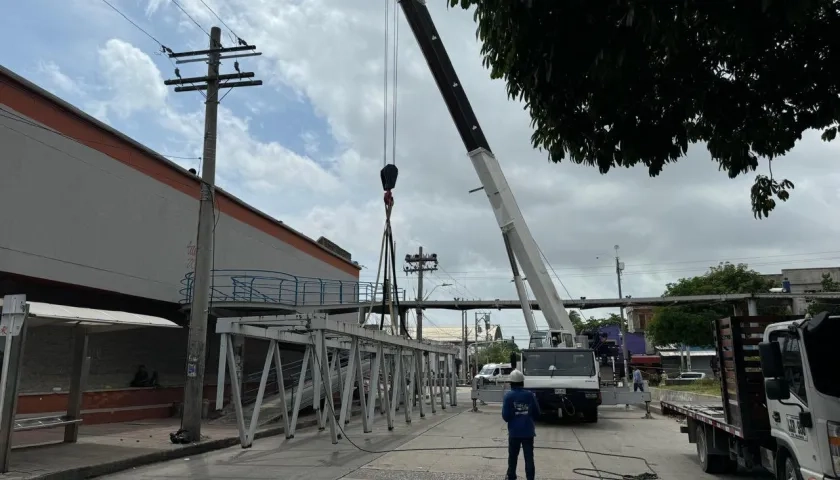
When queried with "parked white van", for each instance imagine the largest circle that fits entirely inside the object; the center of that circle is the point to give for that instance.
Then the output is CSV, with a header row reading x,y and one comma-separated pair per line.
x,y
495,373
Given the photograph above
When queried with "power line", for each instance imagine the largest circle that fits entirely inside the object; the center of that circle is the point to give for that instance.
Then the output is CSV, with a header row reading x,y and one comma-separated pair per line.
x,y
220,19
191,18
457,288
444,332
552,271
163,48
680,262
456,281
132,22
648,272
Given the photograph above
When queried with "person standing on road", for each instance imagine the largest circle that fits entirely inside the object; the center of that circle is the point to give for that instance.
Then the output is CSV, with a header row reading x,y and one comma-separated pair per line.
x,y
519,410
638,381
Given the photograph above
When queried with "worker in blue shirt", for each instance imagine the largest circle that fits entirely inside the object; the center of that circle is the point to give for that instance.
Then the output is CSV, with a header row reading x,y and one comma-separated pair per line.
x,y
519,410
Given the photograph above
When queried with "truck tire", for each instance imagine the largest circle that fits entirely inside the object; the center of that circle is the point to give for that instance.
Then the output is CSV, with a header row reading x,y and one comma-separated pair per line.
x,y
789,468
591,415
711,463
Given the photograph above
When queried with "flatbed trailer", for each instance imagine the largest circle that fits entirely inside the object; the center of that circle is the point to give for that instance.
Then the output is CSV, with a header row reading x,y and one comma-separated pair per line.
x,y
737,432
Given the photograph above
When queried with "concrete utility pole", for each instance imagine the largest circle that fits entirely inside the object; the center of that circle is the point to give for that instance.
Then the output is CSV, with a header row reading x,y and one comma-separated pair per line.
x,y
417,264
464,358
619,267
486,317
197,345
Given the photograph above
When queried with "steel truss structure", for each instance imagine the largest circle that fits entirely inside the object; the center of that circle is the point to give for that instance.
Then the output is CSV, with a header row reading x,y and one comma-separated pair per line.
x,y
400,369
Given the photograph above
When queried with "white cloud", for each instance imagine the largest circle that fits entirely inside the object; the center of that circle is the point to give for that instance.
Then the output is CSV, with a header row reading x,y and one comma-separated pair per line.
x,y
330,53
57,78
310,142
131,79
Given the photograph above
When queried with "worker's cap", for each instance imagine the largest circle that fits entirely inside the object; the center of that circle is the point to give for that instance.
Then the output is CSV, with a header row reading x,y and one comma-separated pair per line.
x,y
516,377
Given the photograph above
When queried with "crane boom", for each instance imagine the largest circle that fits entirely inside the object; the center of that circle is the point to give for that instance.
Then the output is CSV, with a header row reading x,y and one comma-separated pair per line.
x,y
520,289
509,217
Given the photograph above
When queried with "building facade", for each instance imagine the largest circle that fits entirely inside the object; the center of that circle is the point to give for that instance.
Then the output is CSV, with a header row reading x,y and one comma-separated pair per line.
x,y
804,280
93,219
455,336
638,318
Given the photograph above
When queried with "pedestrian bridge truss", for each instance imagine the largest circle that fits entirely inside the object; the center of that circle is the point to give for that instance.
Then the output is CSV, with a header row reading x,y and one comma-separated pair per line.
x,y
401,372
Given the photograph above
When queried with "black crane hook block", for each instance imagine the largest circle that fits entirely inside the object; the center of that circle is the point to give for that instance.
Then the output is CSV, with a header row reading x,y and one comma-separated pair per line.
x,y
388,175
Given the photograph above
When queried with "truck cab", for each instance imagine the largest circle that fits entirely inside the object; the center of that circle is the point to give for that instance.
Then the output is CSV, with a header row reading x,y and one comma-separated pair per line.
x,y
802,386
551,339
546,369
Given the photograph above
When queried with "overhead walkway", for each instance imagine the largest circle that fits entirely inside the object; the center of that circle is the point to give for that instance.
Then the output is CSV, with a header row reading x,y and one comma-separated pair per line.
x,y
262,292
258,292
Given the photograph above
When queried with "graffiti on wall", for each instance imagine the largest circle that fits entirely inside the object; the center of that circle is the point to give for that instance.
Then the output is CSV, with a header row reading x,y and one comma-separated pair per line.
x,y
191,250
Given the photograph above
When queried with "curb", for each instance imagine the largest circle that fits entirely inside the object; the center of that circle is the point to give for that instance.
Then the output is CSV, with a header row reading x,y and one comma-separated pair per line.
x,y
91,471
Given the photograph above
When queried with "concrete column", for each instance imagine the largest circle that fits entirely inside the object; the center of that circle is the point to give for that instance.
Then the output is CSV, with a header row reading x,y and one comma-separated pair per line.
x,y
78,382
752,307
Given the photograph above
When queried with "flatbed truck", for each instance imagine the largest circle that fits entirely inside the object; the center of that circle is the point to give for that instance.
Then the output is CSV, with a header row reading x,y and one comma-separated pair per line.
x,y
780,392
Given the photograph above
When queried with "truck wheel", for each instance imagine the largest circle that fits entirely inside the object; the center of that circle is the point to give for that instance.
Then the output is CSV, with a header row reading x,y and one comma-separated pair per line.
x,y
591,415
790,469
708,462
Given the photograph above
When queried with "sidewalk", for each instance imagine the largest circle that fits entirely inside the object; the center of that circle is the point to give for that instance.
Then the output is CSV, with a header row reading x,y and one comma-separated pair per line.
x,y
109,448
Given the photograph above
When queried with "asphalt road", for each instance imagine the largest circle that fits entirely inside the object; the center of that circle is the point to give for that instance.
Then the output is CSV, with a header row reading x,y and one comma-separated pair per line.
x,y
453,445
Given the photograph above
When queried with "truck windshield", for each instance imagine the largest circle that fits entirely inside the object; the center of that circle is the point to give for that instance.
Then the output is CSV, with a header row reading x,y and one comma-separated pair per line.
x,y
538,340
820,344
574,363
486,371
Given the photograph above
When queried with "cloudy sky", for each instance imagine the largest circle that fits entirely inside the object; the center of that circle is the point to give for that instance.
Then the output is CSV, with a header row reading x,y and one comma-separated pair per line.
x,y
307,147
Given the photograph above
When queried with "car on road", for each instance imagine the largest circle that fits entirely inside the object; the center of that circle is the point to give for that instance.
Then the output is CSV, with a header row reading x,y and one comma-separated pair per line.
x,y
691,376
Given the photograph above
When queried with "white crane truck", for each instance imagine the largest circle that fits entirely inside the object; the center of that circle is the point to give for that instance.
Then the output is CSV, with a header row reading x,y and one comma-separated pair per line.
x,y
780,407
564,376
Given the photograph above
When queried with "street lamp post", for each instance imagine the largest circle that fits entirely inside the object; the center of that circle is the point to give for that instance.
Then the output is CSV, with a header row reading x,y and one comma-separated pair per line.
x,y
435,288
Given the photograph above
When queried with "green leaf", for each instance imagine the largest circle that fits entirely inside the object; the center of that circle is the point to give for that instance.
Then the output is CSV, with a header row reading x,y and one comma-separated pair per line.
x,y
611,84
691,324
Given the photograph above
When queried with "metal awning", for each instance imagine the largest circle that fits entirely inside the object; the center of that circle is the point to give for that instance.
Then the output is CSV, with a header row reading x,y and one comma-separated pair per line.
x,y
41,314
16,317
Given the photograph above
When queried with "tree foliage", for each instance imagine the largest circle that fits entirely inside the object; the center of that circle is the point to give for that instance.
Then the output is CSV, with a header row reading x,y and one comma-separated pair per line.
x,y
577,320
691,324
592,323
827,284
676,325
496,352
622,83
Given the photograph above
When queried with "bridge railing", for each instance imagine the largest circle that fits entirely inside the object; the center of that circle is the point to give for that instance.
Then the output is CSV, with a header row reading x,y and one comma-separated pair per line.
x,y
262,286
